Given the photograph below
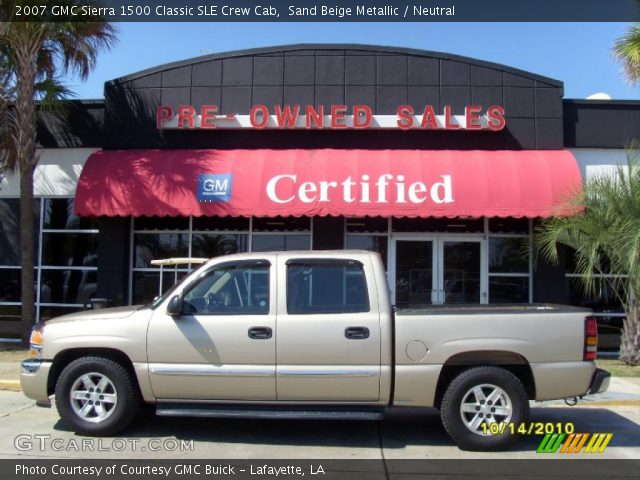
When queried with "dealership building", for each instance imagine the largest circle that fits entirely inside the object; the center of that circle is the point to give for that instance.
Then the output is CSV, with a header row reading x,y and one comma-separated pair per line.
x,y
443,164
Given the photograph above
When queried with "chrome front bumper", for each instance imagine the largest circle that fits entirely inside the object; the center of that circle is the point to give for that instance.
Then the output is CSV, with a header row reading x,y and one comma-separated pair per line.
x,y
33,380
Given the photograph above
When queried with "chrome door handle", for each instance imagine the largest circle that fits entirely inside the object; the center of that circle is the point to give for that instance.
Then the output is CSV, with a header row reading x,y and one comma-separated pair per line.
x,y
260,333
356,333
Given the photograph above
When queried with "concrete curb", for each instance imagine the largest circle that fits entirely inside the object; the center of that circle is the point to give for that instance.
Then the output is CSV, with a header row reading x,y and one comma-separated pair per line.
x,y
12,385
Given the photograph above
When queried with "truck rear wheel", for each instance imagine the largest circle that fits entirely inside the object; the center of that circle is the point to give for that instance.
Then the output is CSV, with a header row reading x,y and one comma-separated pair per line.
x,y
478,406
96,396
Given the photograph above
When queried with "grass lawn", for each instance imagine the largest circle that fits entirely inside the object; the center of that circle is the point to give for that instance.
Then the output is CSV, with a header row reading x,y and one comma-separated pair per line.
x,y
618,369
12,352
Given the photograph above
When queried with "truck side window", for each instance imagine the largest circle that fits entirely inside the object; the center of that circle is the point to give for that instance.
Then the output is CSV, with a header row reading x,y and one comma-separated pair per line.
x,y
230,290
332,286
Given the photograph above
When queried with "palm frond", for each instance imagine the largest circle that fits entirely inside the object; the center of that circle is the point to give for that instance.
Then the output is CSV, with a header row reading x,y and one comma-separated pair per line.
x,y
626,50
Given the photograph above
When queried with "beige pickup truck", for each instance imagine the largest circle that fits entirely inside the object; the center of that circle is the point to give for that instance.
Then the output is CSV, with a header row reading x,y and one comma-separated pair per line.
x,y
309,335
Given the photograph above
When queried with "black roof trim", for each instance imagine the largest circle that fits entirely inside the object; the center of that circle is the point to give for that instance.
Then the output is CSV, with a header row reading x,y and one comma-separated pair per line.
x,y
333,46
581,101
78,101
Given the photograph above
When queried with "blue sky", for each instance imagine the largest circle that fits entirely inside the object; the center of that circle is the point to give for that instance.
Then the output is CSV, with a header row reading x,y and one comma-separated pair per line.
x,y
577,53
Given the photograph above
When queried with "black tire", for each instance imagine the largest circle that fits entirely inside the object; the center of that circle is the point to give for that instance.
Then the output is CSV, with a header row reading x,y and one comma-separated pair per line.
x,y
119,414
460,389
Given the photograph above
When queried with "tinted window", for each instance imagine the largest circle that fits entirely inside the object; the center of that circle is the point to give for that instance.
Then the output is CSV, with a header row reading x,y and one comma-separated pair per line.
x,y
331,287
230,290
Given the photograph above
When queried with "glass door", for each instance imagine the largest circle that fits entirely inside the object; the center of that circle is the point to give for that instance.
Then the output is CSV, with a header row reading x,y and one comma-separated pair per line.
x,y
437,270
414,275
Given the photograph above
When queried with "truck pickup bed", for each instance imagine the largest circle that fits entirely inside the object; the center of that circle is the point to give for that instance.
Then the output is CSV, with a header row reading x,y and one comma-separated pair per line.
x,y
309,335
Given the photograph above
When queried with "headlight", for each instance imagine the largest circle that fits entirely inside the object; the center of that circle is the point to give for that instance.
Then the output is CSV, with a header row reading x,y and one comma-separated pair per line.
x,y
35,343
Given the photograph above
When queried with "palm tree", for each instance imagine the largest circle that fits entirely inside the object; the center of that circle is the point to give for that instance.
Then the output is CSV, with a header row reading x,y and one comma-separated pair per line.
x,y
33,55
627,50
605,238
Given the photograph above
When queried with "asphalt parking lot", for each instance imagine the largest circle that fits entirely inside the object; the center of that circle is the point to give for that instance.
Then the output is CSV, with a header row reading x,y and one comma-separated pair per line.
x,y
32,432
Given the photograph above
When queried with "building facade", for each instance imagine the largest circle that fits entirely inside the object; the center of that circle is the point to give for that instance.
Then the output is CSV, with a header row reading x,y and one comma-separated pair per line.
x,y
441,163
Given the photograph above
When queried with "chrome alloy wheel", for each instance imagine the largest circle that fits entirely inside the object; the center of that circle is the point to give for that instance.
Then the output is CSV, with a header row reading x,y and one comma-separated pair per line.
x,y
93,397
485,404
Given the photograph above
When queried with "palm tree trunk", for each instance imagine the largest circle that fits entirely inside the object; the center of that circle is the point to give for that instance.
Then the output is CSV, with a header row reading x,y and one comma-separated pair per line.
x,y
25,133
630,341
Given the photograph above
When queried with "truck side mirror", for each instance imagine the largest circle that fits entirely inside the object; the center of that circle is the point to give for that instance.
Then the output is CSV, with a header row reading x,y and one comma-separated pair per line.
x,y
174,308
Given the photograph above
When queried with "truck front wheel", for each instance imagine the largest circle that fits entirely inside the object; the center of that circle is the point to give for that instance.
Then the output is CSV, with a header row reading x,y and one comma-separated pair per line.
x,y
96,396
479,406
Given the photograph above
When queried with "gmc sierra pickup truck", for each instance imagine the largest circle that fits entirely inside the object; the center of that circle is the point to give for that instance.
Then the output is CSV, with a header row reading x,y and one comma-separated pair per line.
x,y
309,335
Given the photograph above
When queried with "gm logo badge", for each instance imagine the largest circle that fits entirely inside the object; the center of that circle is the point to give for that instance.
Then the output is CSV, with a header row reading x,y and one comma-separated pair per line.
x,y
214,188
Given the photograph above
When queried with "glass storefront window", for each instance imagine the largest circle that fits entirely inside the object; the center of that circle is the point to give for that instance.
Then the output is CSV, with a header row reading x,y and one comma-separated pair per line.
x,y
275,242
209,245
10,321
508,289
604,299
436,225
58,215
508,255
161,223
374,243
282,224
606,306
10,230
146,285
67,286
152,246
10,284
70,249
367,225
509,225
221,224
414,274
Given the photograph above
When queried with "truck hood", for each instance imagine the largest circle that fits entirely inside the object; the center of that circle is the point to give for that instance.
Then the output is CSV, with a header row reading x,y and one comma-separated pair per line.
x,y
101,314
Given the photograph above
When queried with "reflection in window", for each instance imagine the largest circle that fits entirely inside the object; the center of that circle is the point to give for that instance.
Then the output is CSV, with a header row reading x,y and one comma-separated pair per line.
x,y
10,321
508,255
373,243
509,265
146,285
67,286
209,245
604,299
58,214
70,249
151,246
10,283
10,230
509,289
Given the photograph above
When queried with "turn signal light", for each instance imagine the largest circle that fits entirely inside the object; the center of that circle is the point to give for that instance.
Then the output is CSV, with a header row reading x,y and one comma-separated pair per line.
x,y
590,338
35,343
36,337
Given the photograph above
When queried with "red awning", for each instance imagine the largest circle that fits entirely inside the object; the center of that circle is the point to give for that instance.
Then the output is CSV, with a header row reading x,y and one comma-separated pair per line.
x,y
414,183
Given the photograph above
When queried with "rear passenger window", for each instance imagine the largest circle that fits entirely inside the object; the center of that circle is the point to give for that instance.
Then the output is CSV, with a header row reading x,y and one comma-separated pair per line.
x,y
332,286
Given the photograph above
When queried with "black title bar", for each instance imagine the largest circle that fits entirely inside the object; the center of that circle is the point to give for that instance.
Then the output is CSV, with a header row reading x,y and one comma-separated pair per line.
x,y
326,11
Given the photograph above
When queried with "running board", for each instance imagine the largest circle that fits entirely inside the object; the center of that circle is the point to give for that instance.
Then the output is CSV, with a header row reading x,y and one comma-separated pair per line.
x,y
281,413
